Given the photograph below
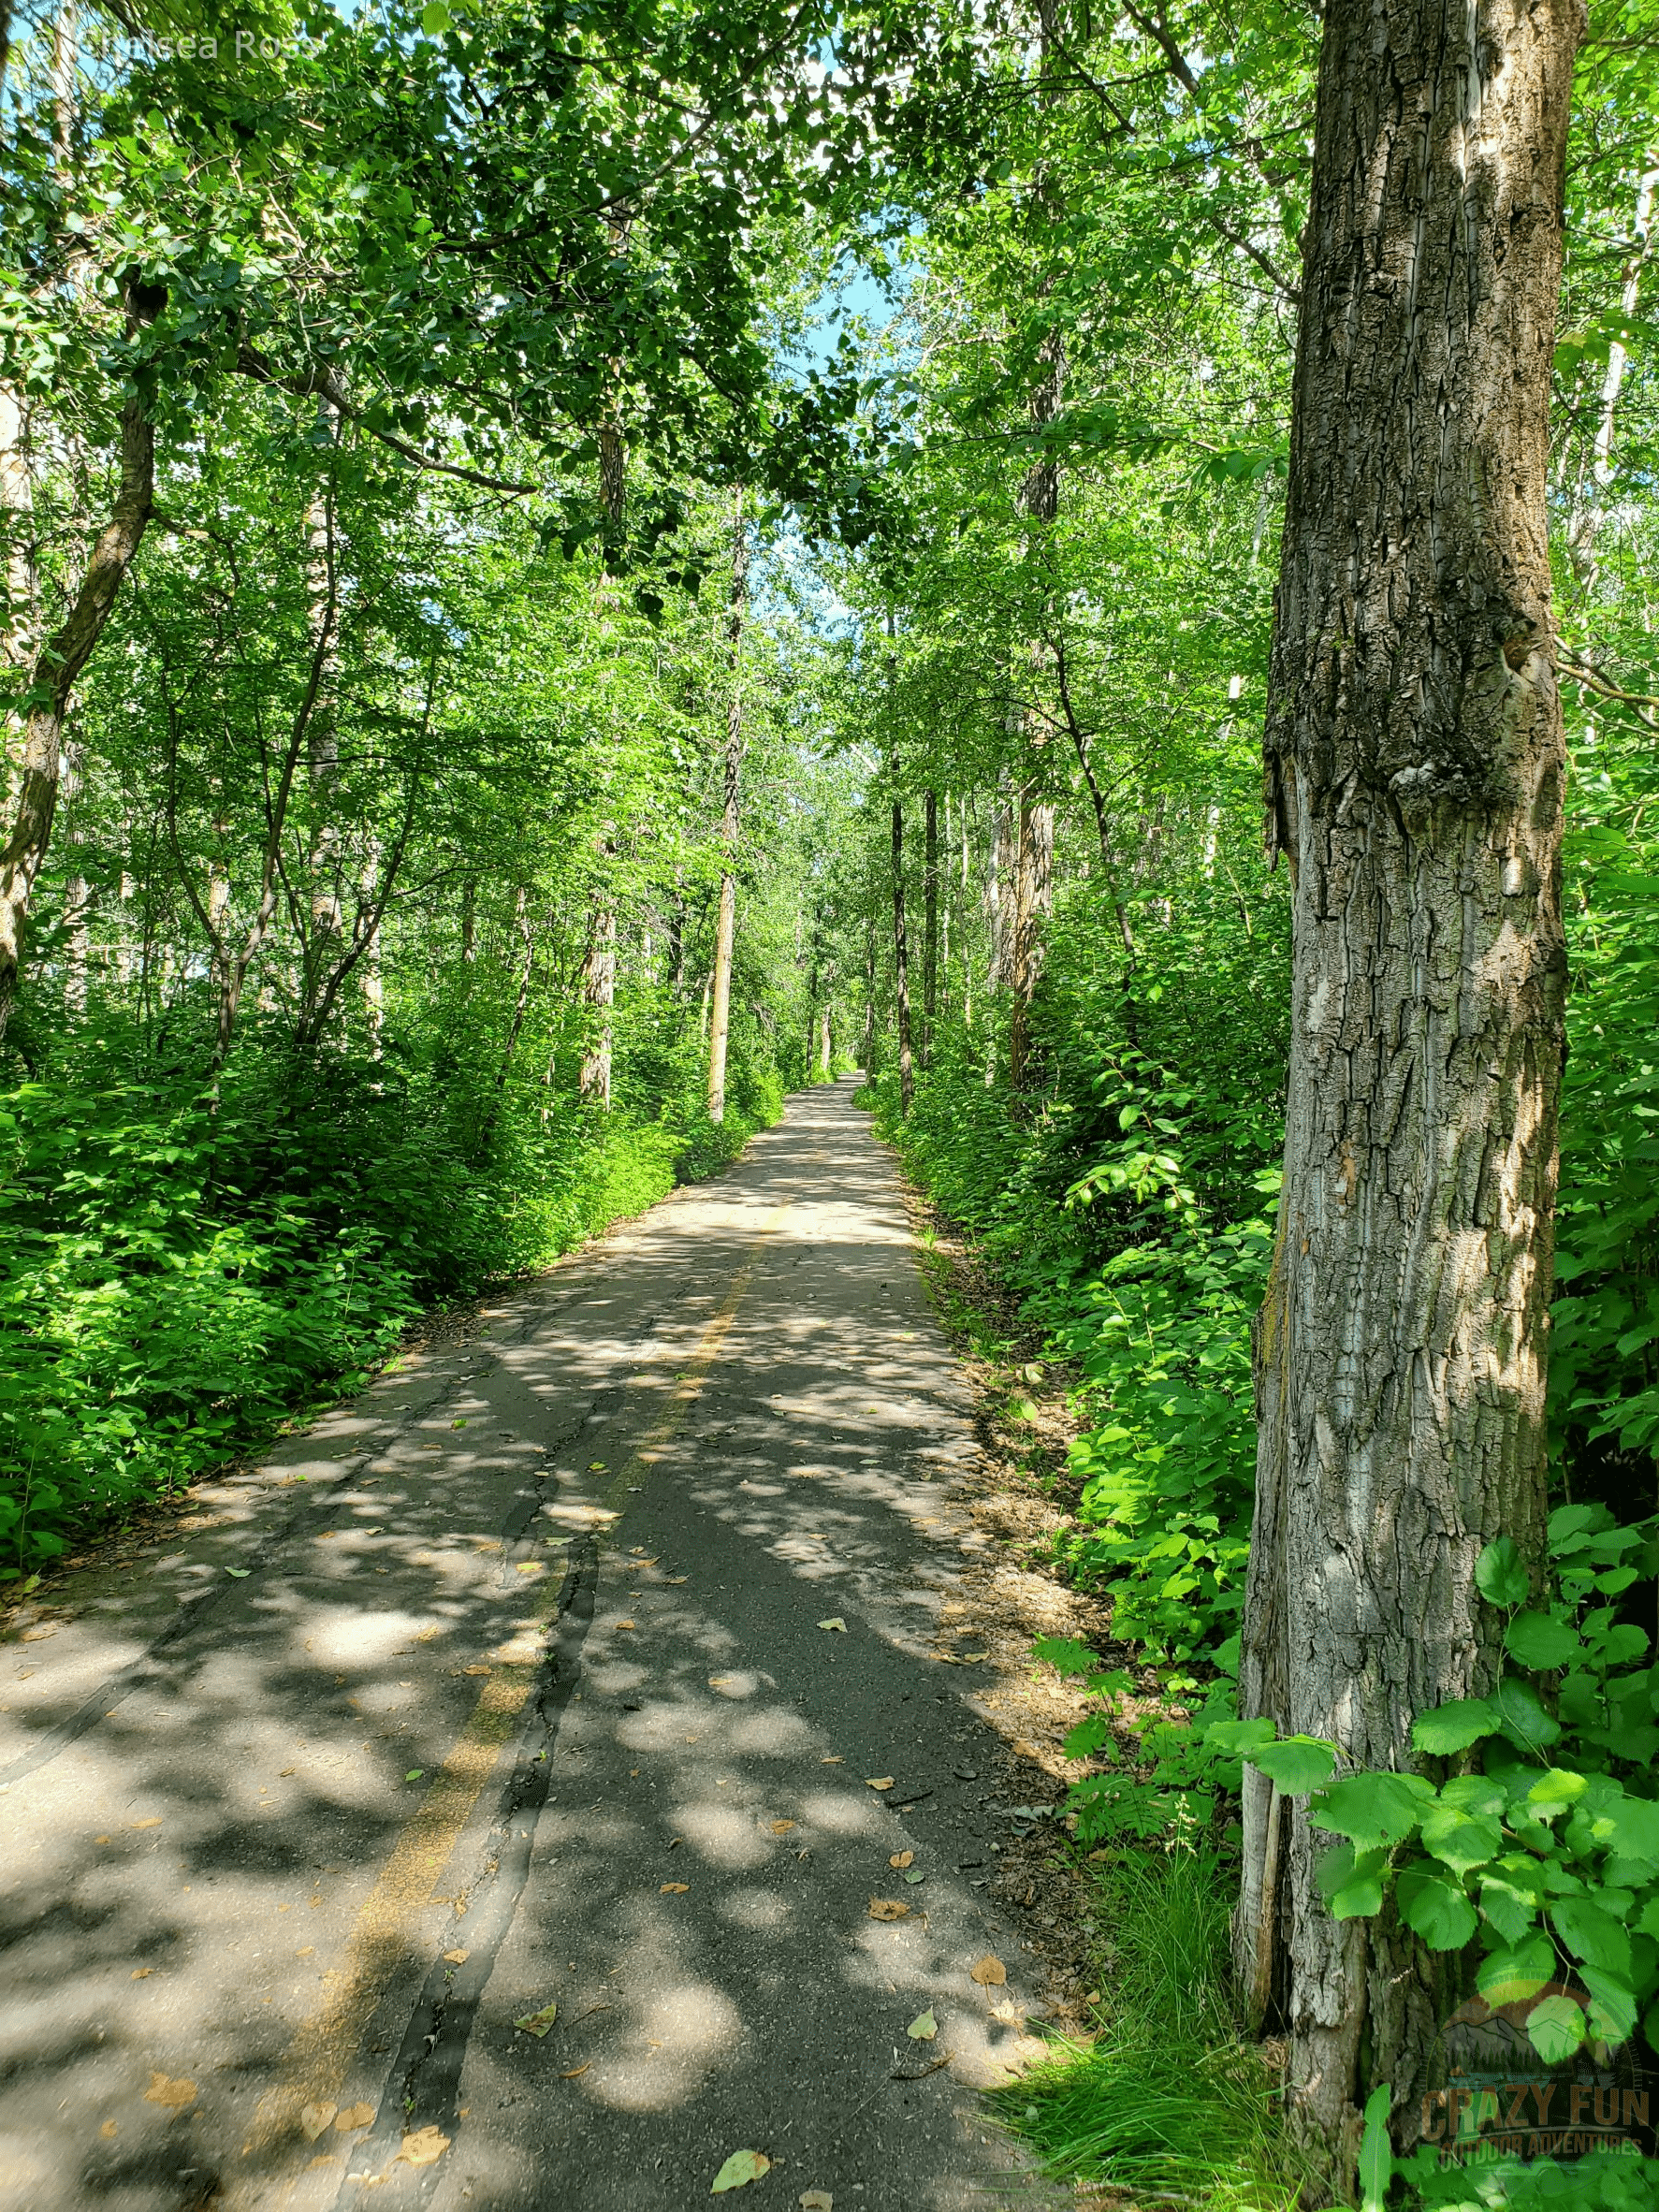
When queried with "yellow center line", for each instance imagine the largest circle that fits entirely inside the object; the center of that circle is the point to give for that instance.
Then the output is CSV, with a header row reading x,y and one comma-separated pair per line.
x,y
387,1929
696,1372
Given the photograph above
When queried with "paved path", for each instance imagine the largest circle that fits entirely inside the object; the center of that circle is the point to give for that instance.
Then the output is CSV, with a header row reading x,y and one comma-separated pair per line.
x,y
508,1687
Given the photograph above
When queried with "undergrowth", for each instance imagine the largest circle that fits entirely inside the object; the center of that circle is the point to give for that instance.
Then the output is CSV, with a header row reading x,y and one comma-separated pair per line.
x,y
1168,2099
181,1270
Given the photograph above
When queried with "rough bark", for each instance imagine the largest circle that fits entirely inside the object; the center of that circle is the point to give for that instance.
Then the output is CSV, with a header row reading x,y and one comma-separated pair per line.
x,y
726,924
53,678
1414,769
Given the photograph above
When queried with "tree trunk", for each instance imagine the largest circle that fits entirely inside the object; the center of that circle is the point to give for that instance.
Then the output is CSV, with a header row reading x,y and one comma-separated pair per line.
x,y
725,927
869,999
901,953
599,994
1033,897
1414,768
58,664
929,923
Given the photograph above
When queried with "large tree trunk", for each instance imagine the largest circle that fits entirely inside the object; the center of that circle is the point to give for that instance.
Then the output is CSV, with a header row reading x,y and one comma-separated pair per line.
x,y
60,662
726,926
1415,764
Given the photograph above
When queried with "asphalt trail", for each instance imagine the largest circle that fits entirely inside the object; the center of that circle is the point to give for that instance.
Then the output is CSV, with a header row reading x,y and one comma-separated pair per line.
x,y
508,1687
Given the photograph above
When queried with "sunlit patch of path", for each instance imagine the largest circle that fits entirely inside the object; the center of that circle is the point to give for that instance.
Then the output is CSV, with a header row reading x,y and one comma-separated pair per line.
x,y
509,1687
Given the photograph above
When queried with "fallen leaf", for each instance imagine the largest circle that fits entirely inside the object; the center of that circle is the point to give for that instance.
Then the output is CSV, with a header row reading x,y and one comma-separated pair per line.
x,y
576,2071
902,1858
242,1574
174,2093
916,1875
305,1951
537,2024
457,1957
284,1774
425,2147
837,1623
674,1889
530,1566
352,2117
414,1774
314,2118
110,2130
100,1838
140,1973
781,1827
924,2027
878,1782
988,1971
742,2167
840,1760
153,1821
1010,2014
888,1908
624,1624
817,2200
474,1670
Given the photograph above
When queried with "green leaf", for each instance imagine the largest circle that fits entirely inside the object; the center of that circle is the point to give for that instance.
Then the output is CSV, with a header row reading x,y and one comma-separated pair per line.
x,y
1454,1728
1358,1899
924,2027
1371,1809
1462,1840
1555,2029
1436,1909
1377,2153
1501,1575
434,19
1590,1935
1553,1792
1540,1642
537,2024
1241,1738
1474,1793
741,2168
1612,2004
1517,1972
1523,1718
1510,1909
1297,1764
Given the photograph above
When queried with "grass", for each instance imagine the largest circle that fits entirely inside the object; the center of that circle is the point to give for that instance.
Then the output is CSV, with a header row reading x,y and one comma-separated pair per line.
x,y
1169,2102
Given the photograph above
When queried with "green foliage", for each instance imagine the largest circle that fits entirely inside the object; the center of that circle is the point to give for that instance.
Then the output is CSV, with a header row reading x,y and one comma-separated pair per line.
x,y
183,1272
1554,1867
1166,2101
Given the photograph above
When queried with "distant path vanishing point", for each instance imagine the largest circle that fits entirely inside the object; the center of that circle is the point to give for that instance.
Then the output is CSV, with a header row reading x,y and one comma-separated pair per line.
x,y
583,1666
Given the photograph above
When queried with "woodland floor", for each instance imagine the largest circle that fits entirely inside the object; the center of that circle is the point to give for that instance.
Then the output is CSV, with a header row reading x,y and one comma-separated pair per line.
x,y
687,1596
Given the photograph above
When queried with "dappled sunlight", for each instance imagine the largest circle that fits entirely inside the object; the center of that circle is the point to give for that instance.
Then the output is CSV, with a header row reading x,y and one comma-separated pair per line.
x,y
232,1887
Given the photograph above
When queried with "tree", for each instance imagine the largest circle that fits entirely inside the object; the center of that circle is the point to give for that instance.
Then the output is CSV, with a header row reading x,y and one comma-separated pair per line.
x,y
1415,771
719,1014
